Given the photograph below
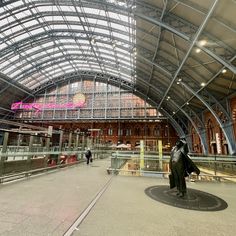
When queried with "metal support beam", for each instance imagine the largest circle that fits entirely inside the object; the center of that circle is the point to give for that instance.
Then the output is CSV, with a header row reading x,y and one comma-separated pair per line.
x,y
227,128
217,58
4,150
6,80
199,132
177,127
161,24
189,50
16,124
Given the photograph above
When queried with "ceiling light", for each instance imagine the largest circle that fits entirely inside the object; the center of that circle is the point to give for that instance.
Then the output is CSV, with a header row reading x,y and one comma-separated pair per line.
x,y
198,50
203,84
224,71
202,42
187,103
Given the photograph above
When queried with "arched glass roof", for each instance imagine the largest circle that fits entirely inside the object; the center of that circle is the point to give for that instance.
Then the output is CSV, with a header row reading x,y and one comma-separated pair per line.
x,y
179,55
42,40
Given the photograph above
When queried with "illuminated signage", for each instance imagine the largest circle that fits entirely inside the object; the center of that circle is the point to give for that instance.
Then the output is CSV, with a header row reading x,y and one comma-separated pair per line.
x,y
78,102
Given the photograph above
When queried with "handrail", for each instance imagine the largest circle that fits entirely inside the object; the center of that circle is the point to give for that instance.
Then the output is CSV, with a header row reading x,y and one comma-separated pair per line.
x,y
27,174
217,168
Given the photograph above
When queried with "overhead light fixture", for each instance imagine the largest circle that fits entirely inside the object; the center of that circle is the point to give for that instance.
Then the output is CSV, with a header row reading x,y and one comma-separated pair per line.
x,y
198,50
202,42
187,103
203,84
224,71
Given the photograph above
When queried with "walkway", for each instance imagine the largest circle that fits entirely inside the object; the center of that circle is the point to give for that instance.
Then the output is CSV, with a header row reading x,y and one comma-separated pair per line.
x,y
55,203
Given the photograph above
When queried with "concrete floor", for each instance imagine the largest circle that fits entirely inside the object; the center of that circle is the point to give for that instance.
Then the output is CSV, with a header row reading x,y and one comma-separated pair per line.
x,y
86,201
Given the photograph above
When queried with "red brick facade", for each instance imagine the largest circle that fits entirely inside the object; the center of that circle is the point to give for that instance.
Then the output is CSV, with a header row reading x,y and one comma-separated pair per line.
x,y
127,132
216,141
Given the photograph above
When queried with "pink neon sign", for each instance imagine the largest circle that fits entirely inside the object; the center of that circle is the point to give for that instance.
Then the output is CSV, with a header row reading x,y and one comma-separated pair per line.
x,y
39,106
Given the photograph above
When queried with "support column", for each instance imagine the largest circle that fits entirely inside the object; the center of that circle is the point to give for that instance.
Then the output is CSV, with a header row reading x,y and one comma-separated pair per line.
x,y
29,157
47,150
77,144
77,141
4,150
70,141
60,146
83,141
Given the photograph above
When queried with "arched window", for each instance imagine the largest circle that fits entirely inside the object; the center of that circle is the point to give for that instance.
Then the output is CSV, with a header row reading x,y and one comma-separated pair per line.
x,y
137,131
110,131
156,131
211,132
128,132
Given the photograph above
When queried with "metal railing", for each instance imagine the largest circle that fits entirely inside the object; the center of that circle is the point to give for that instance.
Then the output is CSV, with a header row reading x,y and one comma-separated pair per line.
x,y
30,173
220,168
31,163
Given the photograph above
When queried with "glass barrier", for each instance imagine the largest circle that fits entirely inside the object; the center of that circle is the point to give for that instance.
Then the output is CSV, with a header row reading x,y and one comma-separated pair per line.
x,y
212,167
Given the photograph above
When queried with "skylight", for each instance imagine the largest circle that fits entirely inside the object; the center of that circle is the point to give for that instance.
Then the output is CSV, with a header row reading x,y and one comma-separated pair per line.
x,y
41,34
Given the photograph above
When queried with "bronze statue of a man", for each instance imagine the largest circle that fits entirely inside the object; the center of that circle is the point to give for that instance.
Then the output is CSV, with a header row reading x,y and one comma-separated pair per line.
x,y
181,166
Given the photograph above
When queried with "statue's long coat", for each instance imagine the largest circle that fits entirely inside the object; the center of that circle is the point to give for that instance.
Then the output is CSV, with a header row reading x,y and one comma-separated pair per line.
x,y
181,166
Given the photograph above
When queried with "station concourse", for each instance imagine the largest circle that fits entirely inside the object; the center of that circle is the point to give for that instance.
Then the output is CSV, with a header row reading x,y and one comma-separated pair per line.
x,y
126,79
85,200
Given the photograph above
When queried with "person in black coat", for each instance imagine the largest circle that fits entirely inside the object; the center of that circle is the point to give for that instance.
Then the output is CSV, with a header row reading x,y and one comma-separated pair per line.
x,y
181,166
88,155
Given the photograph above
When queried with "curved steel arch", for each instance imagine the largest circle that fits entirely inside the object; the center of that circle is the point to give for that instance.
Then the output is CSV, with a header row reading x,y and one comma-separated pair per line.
x,y
201,133
226,128
61,59
113,81
45,35
77,55
83,75
168,24
112,7
177,31
189,118
56,33
45,24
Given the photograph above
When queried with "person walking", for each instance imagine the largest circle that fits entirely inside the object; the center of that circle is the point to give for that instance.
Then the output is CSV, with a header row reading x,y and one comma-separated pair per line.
x,y
88,155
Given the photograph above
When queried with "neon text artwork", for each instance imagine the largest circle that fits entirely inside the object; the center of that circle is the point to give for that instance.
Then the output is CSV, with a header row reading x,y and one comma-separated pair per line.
x,y
39,106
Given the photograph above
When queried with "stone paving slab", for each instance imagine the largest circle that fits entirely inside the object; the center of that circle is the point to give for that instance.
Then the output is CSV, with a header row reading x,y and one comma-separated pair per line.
x,y
125,209
50,203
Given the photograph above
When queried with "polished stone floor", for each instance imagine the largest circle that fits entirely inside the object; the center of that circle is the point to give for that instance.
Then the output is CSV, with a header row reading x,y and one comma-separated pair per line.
x,y
86,201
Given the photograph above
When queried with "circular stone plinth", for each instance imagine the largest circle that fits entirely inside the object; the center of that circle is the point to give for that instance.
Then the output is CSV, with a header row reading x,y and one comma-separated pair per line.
x,y
193,200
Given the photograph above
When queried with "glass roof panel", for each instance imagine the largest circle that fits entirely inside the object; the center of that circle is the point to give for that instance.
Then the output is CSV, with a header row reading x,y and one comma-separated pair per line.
x,y
77,46
90,10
